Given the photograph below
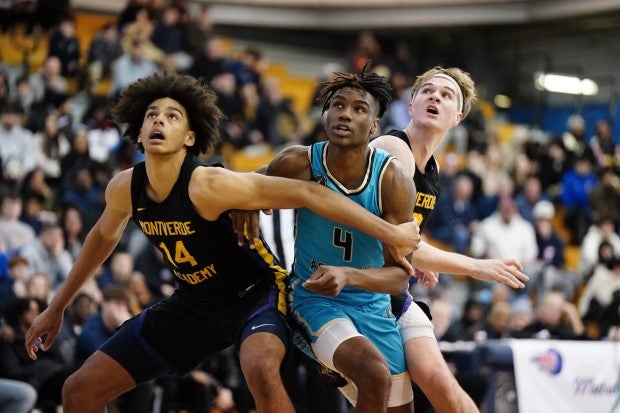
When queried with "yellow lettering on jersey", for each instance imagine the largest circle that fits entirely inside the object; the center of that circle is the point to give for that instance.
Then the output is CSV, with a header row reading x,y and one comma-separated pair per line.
x,y
166,228
199,276
425,200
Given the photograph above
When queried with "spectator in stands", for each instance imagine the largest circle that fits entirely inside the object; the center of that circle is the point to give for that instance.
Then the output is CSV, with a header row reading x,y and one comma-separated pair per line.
x,y
132,65
494,174
210,60
605,150
528,197
118,271
602,230
104,137
16,144
554,163
549,321
15,233
574,139
599,289
33,213
276,118
150,262
77,158
34,183
139,31
169,36
605,197
199,29
50,371
14,284
471,318
38,286
50,146
456,215
114,311
24,95
130,12
16,396
367,49
48,82
64,44
609,321
85,195
506,234
82,308
247,67
104,49
521,315
549,268
48,255
577,185
496,325
72,224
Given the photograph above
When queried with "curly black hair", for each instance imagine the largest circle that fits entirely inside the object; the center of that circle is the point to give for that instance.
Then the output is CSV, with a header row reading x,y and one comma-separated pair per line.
x,y
376,85
197,98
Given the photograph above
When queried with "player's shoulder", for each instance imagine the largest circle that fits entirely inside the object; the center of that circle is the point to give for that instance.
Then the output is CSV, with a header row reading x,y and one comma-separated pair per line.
x,y
291,162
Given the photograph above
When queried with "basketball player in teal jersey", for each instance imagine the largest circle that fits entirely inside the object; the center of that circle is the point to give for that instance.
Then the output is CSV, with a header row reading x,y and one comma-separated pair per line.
x,y
340,277
229,292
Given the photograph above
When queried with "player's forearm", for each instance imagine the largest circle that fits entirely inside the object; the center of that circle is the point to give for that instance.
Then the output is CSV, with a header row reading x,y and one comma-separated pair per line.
x,y
388,280
431,258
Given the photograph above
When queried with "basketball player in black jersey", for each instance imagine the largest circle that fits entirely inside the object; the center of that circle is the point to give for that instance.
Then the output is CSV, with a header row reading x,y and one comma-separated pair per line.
x,y
440,99
228,293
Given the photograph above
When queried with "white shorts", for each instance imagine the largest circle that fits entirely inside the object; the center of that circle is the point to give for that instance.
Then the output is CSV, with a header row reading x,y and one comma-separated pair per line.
x,y
415,323
325,346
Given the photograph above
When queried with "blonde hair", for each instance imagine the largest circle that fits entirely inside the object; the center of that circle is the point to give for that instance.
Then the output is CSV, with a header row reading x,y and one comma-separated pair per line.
x,y
462,78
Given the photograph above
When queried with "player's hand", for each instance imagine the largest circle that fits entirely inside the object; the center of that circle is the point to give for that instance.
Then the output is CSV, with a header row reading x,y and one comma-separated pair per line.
x,y
327,280
407,241
46,324
506,271
427,278
243,221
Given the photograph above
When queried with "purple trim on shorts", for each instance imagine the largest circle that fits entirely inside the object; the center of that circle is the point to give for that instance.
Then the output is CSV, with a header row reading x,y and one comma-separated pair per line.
x,y
147,347
406,305
271,302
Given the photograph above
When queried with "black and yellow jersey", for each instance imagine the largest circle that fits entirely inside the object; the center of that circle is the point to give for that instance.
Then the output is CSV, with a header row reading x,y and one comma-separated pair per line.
x,y
203,255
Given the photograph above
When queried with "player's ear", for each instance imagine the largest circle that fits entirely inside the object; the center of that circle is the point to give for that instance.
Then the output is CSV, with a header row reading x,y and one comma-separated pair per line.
x,y
374,128
457,119
190,138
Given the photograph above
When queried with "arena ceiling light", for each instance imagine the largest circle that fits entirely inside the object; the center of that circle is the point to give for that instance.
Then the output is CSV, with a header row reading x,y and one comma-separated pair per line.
x,y
555,82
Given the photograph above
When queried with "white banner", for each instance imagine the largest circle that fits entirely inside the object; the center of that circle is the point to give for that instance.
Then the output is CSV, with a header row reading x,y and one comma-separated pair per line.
x,y
567,376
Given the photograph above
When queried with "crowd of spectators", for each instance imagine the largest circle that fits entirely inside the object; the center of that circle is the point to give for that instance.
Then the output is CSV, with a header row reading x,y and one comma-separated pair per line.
x,y
529,198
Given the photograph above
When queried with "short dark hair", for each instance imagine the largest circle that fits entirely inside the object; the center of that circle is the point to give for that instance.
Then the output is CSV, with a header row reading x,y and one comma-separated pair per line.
x,y
377,86
196,97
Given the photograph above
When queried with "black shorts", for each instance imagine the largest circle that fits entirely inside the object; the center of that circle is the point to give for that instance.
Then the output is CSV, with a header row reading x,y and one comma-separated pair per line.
x,y
174,335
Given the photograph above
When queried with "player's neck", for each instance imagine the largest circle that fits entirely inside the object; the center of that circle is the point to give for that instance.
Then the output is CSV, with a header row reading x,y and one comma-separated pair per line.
x,y
162,173
348,165
423,143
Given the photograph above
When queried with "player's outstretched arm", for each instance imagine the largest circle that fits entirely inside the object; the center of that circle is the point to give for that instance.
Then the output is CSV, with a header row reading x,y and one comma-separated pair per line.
x,y
98,245
216,190
506,271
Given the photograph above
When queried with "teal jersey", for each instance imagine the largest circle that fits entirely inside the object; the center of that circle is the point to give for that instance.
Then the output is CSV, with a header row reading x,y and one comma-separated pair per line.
x,y
321,241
